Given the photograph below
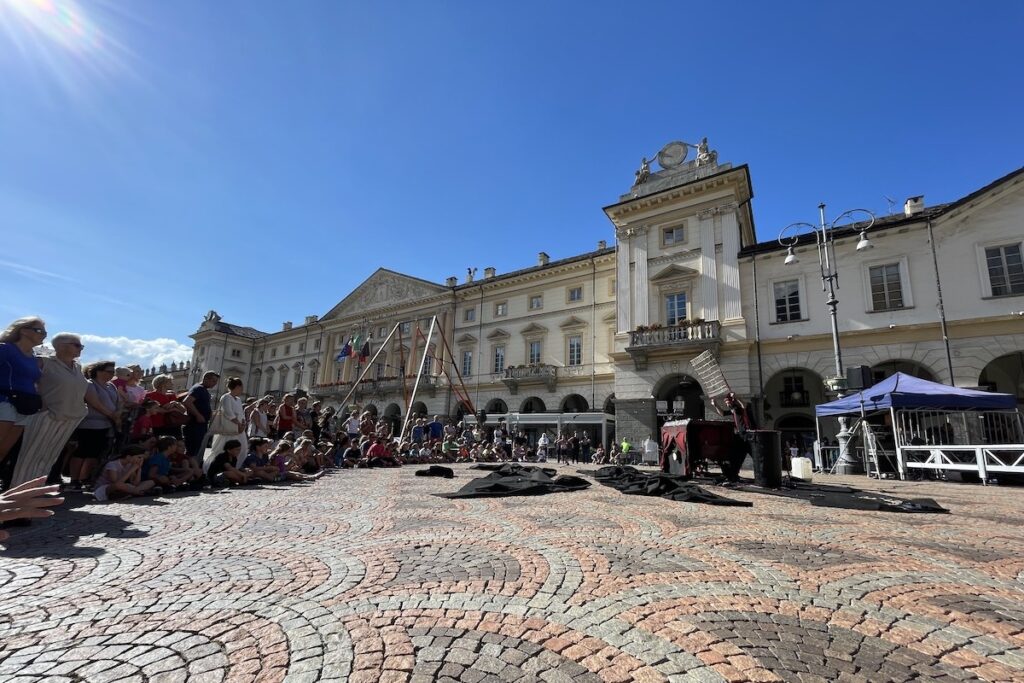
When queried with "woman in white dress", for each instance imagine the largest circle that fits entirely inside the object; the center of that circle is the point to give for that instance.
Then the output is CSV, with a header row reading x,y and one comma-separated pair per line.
x,y
259,422
230,424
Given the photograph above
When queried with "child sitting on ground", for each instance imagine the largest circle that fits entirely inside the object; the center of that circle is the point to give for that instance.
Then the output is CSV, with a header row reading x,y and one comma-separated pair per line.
x,y
157,467
222,470
143,424
257,465
121,478
187,469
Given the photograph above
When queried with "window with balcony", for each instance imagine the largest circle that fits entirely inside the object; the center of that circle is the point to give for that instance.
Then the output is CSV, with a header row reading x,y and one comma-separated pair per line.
x,y
378,370
469,315
501,309
467,363
406,327
236,353
575,355
1005,269
671,236
886,287
675,308
499,358
575,295
794,395
533,352
787,301
536,302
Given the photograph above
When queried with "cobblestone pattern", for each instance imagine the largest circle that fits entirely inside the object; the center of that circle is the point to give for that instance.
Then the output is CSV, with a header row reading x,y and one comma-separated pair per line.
x,y
365,576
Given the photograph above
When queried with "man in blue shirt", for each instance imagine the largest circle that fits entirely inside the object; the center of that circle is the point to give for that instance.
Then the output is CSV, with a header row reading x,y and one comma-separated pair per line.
x,y
436,428
199,405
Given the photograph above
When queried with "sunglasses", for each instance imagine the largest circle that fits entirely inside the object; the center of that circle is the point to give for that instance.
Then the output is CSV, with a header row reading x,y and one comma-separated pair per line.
x,y
77,345
37,330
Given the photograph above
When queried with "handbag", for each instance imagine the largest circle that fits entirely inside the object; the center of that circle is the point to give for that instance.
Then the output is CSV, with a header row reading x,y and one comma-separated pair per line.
x,y
24,403
222,425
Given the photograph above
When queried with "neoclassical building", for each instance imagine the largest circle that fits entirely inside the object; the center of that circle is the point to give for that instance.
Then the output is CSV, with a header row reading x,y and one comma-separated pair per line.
x,y
614,331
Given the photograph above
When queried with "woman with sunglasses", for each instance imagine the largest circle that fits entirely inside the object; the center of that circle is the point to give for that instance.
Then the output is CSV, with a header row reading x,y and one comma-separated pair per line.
x,y
95,434
19,372
62,388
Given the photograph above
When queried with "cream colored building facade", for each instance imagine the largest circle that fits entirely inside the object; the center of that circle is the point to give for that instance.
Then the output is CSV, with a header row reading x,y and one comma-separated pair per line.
x,y
615,330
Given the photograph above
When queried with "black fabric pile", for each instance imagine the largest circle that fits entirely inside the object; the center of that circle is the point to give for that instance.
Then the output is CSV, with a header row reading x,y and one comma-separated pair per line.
x,y
517,480
633,482
828,495
436,471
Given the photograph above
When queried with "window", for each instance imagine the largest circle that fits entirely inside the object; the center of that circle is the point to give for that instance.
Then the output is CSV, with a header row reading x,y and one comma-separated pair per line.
x,y
536,302
501,309
236,353
316,344
575,294
670,236
302,346
533,356
793,393
1005,269
405,328
202,351
467,363
787,301
611,287
261,355
428,363
499,358
469,315
675,308
886,288
273,353
287,349
378,370
382,332
575,350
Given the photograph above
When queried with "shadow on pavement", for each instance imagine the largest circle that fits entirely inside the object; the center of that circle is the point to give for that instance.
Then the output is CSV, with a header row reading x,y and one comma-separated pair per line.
x,y
58,536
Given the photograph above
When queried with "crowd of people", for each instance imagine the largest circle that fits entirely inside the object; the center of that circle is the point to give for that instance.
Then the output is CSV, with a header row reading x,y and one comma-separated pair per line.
x,y
109,436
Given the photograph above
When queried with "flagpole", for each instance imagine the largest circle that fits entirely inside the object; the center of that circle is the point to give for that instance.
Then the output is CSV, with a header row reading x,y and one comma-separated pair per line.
x,y
383,346
419,375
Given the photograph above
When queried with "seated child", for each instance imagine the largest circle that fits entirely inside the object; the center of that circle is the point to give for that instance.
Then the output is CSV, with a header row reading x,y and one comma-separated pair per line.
x,y
121,478
143,424
222,470
187,469
157,467
257,464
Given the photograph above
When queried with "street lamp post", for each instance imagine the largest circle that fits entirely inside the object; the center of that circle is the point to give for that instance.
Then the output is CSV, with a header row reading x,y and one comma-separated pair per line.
x,y
824,239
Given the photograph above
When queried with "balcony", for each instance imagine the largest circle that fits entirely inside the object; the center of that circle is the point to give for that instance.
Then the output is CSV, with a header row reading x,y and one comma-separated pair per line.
x,y
538,373
697,335
794,399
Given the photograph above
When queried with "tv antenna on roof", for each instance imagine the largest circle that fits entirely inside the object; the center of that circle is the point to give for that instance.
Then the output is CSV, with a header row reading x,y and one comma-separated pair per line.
x,y
891,202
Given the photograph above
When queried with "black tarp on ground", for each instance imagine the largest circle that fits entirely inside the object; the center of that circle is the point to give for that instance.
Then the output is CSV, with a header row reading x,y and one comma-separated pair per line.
x,y
633,482
436,471
834,496
517,480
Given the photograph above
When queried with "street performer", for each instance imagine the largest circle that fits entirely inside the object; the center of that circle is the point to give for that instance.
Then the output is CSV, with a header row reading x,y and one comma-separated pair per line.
x,y
743,423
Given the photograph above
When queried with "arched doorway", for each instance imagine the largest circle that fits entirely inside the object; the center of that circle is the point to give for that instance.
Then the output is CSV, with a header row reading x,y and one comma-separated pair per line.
x,y
574,403
907,367
793,391
532,405
609,404
419,409
678,396
798,430
496,407
371,409
393,416
1005,375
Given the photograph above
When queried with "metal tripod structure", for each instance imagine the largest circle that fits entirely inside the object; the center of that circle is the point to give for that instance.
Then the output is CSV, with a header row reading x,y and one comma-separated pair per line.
x,y
456,383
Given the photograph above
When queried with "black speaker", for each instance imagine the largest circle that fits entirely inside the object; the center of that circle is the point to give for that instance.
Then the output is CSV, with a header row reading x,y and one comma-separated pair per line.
x,y
859,377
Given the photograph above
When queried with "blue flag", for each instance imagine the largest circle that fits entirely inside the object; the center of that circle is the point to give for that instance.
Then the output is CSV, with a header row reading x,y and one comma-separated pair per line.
x,y
346,351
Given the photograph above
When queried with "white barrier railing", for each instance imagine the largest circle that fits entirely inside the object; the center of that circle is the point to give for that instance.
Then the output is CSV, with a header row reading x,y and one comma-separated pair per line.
x,y
996,458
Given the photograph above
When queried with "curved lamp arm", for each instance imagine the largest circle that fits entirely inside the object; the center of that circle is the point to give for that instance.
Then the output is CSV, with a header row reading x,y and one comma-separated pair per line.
x,y
791,240
850,213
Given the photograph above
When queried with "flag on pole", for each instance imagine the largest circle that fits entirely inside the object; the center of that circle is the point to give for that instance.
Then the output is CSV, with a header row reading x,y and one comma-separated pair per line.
x,y
364,353
345,352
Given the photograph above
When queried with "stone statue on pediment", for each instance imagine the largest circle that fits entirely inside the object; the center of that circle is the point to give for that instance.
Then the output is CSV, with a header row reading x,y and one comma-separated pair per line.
x,y
643,173
705,156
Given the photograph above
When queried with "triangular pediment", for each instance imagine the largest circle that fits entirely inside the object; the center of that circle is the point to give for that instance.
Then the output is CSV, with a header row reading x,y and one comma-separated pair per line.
x,y
498,334
466,339
384,288
610,317
572,321
674,272
533,328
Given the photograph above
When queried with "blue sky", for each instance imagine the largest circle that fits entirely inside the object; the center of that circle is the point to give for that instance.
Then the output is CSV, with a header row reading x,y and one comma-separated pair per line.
x,y
262,158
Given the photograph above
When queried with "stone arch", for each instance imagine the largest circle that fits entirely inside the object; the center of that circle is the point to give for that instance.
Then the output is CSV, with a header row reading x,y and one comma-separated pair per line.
x,y
496,406
532,404
574,403
419,408
971,356
371,409
792,391
393,410
1005,374
609,405
682,395
889,368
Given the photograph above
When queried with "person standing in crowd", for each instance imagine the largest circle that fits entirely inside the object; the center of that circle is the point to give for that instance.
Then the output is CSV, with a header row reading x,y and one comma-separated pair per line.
x,y
230,424
96,432
259,423
285,420
19,372
168,417
62,387
199,405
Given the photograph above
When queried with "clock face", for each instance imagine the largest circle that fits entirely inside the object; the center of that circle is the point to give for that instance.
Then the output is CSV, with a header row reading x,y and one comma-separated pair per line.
x,y
672,155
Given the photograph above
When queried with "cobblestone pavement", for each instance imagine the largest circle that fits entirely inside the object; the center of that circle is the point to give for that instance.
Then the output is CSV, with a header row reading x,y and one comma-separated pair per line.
x,y
365,576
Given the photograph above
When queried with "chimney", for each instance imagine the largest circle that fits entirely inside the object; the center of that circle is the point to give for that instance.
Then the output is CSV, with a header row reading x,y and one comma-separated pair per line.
x,y
286,326
913,206
470,274
452,281
310,319
601,244
489,272
543,258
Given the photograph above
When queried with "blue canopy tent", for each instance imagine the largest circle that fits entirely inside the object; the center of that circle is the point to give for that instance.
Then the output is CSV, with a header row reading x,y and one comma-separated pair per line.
x,y
906,391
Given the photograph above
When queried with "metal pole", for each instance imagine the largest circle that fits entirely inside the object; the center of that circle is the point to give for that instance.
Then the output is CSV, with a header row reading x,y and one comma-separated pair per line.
x,y
419,375
941,308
